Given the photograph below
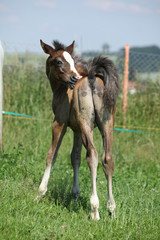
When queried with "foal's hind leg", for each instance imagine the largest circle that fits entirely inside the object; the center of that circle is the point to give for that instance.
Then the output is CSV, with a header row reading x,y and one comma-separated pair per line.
x,y
108,162
92,160
85,116
58,132
76,160
105,121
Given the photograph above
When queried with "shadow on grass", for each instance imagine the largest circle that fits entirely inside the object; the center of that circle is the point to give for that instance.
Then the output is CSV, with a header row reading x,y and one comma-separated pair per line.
x,y
61,194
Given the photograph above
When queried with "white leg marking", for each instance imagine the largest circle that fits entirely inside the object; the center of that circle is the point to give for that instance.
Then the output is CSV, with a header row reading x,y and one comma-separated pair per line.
x,y
110,203
44,183
94,198
94,207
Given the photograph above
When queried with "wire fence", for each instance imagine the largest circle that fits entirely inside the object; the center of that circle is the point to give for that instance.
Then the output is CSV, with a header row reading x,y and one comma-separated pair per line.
x,y
144,66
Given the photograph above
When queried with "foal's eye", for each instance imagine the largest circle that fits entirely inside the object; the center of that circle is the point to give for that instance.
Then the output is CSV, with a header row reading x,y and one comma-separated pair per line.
x,y
59,62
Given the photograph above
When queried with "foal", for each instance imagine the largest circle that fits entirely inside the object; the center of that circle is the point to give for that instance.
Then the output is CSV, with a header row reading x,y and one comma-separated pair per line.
x,y
84,96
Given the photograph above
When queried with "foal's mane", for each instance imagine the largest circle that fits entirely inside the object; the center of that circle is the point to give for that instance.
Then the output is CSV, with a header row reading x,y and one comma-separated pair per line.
x,y
58,46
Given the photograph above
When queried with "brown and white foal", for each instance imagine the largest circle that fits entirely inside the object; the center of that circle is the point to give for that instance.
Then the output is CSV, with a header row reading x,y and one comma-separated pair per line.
x,y
84,96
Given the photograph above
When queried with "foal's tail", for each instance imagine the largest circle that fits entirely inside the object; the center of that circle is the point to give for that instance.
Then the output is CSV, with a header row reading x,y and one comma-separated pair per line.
x,y
105,69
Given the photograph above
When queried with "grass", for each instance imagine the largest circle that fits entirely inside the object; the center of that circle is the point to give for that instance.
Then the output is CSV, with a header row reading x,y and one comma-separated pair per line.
x,y
136,184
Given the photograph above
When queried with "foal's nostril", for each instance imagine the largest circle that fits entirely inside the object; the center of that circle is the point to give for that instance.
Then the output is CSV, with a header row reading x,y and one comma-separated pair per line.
x,y
74,78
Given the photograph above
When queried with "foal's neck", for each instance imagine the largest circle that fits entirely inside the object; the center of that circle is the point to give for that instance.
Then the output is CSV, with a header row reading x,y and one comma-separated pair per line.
x,y
56,84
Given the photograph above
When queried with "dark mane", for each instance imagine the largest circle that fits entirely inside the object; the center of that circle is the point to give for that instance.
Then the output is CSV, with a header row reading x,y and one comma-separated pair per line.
x,y
81,64
58,46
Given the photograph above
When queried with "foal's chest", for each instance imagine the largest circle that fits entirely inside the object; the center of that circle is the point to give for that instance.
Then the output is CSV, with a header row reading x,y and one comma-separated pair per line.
x,y
61,105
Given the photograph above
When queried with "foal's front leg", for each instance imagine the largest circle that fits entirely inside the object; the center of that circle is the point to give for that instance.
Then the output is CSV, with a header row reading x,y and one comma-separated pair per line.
x,y
76,160
58,132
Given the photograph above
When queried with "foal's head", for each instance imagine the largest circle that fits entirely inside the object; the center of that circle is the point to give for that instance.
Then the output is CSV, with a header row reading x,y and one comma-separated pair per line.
x,y
60,65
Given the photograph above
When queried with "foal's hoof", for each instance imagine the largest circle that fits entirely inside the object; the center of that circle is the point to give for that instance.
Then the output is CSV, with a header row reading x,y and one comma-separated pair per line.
x,y
40,194
112,215
95,215
39,197
75,194
111,208
94,201
75,197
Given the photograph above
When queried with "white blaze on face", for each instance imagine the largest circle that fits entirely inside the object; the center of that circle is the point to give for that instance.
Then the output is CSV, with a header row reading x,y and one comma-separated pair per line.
x,y
70,60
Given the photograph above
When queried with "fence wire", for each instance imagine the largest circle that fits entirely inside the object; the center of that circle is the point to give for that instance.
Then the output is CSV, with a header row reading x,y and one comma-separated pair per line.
x,y
144,66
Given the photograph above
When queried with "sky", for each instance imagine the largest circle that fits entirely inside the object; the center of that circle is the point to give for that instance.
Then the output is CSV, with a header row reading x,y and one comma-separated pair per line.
x,y
91,23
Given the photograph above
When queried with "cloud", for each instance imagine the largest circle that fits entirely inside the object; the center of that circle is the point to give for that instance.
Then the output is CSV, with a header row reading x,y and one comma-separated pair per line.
x,y
158,11
13,19
3,8
105,5
45,26
139,9
46,4
111,6
8,15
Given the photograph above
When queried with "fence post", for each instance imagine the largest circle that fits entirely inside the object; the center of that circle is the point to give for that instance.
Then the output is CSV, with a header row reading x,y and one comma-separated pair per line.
x,y
125,82
1,96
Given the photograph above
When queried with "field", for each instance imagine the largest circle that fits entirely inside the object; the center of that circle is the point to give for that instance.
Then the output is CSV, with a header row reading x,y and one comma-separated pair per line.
x,y
136,184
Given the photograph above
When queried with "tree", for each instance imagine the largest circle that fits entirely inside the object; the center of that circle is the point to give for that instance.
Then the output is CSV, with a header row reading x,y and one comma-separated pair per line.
x,y
105,48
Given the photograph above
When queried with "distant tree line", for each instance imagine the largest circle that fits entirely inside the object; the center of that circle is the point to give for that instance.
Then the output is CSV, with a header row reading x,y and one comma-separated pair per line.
x,y
106,50
150,49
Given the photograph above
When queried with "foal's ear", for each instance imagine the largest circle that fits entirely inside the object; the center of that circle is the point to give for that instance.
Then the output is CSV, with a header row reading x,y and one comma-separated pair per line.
x,y
70,48
46,48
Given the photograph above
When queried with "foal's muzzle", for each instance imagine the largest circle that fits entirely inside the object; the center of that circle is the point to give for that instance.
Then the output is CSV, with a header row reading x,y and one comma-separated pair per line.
x,y
72,81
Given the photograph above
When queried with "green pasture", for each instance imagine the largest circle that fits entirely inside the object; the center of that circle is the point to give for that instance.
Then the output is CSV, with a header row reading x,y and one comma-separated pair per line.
x,y
136,179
